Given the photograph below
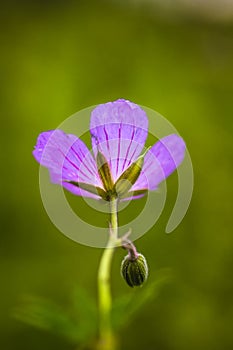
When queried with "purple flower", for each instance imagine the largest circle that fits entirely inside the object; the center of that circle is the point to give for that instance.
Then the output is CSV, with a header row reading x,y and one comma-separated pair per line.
x,y
119,130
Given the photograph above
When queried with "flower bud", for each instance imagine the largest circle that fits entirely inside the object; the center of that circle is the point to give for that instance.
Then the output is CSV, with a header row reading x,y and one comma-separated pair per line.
x,y
134,271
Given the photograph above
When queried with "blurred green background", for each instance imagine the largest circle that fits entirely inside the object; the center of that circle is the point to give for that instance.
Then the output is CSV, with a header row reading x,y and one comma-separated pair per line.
x,y
61,56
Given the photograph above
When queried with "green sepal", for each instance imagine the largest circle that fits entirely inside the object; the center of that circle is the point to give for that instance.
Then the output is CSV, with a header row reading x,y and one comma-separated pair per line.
x,y
129,176
90,188
104,172
134,193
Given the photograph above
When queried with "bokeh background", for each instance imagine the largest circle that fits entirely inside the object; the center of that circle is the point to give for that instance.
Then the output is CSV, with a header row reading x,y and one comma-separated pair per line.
x,y
176,57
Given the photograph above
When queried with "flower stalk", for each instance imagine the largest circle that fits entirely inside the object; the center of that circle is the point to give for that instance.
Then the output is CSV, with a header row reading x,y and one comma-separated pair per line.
x,y
106,335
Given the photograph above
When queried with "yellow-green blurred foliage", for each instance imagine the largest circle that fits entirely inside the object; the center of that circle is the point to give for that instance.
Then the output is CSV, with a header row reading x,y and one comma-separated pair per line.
x,y
61,56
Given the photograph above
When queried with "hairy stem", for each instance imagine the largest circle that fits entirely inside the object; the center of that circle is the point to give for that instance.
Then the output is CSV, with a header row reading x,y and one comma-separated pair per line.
x,y
106,336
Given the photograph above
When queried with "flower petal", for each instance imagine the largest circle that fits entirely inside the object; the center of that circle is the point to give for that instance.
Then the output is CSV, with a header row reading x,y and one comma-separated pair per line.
x,y
119,130
160,161
67,158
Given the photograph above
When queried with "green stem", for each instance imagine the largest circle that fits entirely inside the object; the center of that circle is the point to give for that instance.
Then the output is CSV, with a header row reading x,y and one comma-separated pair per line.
x,y
106,336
